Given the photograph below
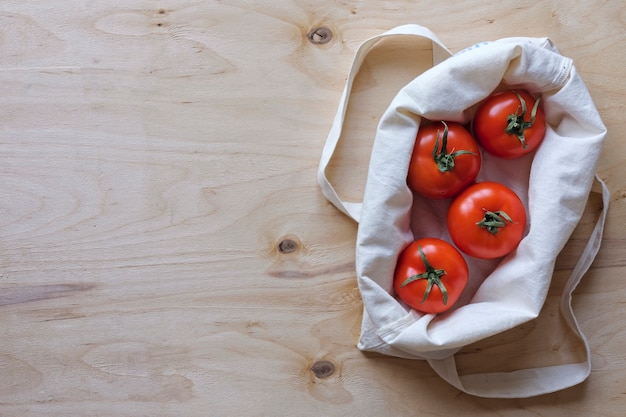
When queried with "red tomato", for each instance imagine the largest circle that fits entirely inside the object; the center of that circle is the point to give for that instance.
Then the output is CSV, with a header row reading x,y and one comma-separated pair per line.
x,y
510,124
445,159
487,220
430,275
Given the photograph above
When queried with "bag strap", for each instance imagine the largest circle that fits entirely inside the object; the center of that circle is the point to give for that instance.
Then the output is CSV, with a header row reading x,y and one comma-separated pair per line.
x,y
440,53
544,380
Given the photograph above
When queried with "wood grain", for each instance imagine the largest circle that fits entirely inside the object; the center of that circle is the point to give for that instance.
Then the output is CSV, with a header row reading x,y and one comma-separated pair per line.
x,y
153,157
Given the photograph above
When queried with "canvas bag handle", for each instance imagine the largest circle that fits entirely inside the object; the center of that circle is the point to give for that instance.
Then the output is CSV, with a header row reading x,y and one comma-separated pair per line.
x,y
537,381
440,53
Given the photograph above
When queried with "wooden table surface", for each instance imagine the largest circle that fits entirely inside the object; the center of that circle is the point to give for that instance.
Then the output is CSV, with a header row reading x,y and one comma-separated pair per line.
x,y
165,249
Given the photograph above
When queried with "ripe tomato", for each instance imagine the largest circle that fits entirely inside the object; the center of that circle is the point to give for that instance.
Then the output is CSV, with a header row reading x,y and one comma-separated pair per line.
x,y
445,159
510,124
487,220
430,275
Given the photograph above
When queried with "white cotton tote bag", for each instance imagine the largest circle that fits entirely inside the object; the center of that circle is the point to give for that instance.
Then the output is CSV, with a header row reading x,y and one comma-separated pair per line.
x,y
556,178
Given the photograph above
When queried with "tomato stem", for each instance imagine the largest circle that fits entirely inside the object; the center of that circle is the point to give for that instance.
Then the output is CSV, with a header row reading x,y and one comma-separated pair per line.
x,y
494,221
516,125
445,160
432,275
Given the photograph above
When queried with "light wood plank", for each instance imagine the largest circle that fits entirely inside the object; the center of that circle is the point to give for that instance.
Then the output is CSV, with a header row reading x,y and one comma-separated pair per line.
x,y
153,155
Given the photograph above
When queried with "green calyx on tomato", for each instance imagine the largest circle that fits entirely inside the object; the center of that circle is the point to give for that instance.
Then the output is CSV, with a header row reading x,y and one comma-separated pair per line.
x,y
433,277
516,125
444,159
494,221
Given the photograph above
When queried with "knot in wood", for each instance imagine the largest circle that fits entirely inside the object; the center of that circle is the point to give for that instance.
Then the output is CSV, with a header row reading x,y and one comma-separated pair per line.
x,y
323,369
287,246
320,35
